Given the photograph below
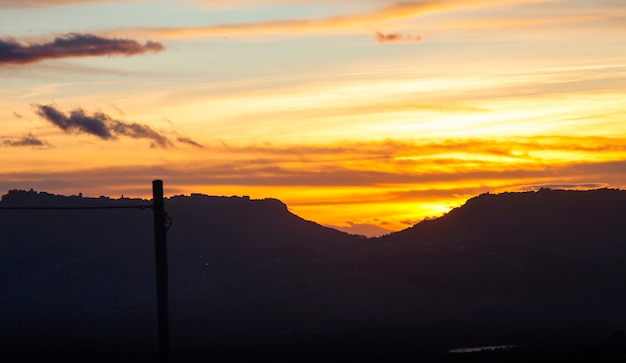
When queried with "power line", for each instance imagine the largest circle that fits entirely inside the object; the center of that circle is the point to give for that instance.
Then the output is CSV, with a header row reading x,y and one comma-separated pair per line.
x,y
78,208
162,223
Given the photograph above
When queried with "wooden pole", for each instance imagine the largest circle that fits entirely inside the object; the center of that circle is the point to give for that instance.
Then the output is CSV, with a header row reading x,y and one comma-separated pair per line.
x,y
160,245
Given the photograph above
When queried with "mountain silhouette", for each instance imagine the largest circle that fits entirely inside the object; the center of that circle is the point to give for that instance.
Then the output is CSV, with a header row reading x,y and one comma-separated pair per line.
x,y
542,272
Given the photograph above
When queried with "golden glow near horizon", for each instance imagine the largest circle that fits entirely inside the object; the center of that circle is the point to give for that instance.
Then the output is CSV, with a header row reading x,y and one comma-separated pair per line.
x,y
350,112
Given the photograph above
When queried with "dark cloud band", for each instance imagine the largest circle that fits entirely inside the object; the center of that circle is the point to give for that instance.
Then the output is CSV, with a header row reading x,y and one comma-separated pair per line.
x,y
71,45
28,140
105,127
100,125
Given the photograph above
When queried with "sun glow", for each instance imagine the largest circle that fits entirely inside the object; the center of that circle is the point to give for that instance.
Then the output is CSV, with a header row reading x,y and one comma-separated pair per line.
x,y
351,113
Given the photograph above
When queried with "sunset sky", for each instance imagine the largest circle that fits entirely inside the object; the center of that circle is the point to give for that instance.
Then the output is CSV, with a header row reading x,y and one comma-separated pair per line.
x,y
352,112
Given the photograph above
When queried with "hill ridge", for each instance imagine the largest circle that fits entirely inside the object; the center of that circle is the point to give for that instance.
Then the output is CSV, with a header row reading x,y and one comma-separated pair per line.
x,y
250,280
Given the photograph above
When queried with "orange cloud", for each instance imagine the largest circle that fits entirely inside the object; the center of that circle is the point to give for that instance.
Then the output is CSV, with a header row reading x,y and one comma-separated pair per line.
x,y
396,37
397,149
391,163
552,20
392,12
240,176
397,11
392,180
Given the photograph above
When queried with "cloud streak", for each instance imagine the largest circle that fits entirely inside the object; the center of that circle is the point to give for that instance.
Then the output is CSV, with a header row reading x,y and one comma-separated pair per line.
x,y
393,164
13,52
367,20
396,11
188,141
393,179
15,4
100,125
396,37
416,150
27,140
186,177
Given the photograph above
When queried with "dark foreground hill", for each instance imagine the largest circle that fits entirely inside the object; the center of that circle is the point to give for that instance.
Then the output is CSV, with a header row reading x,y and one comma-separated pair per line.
x,y
542,271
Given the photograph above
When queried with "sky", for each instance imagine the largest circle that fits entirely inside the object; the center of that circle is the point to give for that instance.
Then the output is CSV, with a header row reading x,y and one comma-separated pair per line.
x,y
370,115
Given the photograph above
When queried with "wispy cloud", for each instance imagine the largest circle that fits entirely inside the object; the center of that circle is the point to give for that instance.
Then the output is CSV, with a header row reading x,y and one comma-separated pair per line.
x,y
367,20
100,125
401,180
187,140
71,45
241,3
11,4
119,110
419,151
27,140
465,165
401,10
369,187
396,37
554,20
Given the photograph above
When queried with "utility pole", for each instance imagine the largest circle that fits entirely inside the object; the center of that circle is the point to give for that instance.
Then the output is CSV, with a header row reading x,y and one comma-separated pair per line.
x,y
160,245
